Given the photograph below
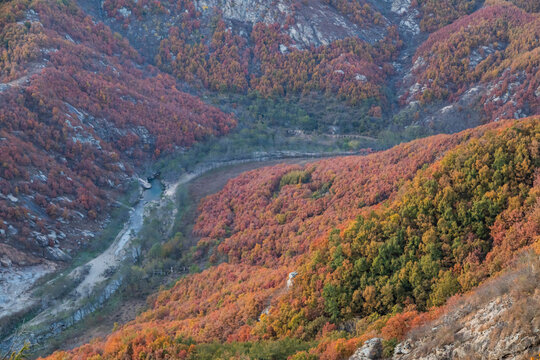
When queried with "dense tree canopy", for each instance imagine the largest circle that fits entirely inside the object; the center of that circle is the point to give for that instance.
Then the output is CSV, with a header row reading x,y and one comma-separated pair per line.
x,y
447,223
496,48
77,113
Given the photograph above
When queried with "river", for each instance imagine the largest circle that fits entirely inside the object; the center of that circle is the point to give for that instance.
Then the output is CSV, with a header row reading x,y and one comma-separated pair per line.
x,y
97,272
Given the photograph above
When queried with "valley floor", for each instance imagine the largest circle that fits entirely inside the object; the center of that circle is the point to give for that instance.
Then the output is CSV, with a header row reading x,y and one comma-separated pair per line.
x,y
96,278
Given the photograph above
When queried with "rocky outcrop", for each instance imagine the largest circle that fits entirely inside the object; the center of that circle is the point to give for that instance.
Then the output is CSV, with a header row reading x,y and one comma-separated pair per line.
x,y
486,331
313,23
290,279
10,256
145,184
408,22
371,350
54,253
316,23
500,320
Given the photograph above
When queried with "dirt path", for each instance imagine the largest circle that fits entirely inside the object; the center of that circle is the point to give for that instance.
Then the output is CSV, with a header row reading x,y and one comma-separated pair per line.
x,y
110,258
266,159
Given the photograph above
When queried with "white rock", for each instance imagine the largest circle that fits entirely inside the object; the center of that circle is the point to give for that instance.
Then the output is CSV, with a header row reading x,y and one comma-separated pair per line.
x,y
12,230
418,63
446,109
403,348
410,25
290,280
266,311
145,184
360,77
124,12
56,254
87,233
41,239
400,7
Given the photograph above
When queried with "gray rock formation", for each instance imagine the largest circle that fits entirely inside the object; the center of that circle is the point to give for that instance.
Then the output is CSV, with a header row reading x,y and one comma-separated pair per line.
x,y
484,333
316,23
371,350
56,254
290,279
408,14
500,320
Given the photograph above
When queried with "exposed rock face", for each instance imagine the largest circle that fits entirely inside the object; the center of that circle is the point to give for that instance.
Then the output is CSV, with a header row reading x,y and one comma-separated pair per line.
x,y
145,184
56,254
408,14
478,333
10,256
15,282
371,350
485,325
498,320
316,23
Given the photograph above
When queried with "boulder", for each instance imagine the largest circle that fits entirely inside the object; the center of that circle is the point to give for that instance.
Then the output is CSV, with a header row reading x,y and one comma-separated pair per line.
x,y
290,280
145,184
56,254
371,350
5,262
41,240
403,348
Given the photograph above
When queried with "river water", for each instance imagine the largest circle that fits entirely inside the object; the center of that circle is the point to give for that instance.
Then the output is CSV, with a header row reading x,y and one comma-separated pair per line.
x,y
94,272
136,217
154,193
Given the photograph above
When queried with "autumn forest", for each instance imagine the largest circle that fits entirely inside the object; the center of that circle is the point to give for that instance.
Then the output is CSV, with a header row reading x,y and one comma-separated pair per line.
x,y
252,179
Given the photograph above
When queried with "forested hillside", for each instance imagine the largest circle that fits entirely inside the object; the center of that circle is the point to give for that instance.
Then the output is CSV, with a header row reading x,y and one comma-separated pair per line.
x,y
491,55
307,261
455,210
359,52
83,109
79,114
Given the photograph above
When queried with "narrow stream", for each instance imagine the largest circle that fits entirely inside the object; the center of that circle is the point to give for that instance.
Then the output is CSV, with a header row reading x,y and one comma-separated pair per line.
x,y
97,271
154,193
136,217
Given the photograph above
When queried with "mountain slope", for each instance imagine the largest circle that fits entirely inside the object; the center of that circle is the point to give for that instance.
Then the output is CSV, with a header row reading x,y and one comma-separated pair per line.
x,y
79,115
96,94
359,52
486,183
499,319
486,61
81,101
